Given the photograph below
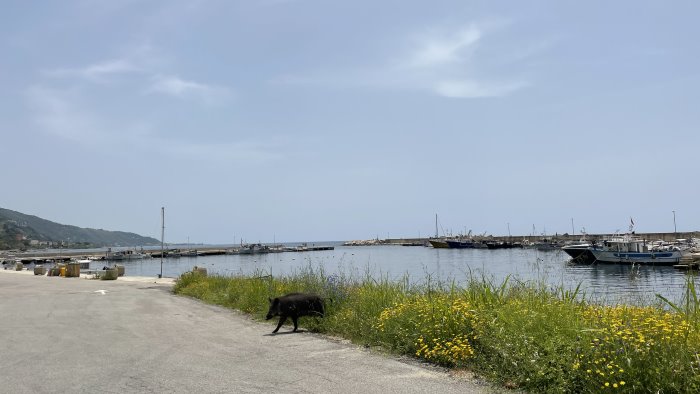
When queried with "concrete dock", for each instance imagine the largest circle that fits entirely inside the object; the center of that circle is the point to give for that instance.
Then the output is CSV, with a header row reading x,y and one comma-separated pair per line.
x,y
70,335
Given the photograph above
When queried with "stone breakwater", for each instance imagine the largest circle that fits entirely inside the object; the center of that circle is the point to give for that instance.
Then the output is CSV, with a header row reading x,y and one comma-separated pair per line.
x,y
560,238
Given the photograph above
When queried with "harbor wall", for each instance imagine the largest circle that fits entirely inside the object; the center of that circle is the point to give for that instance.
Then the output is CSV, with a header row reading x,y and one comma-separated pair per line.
x,y
667,237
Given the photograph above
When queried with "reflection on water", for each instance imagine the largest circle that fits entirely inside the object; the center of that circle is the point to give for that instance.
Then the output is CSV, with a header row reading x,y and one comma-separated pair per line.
x,y
600,282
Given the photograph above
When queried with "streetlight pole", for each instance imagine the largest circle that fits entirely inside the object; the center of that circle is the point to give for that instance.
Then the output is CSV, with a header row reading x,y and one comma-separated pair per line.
x,y
674,222
162,238
573,231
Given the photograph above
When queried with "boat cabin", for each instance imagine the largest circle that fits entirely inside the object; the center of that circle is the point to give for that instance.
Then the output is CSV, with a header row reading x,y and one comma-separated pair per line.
x,y
626,244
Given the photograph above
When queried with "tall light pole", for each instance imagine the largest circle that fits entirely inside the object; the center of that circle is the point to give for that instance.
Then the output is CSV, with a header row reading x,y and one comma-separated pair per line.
x,y
674,222
162,238
573,231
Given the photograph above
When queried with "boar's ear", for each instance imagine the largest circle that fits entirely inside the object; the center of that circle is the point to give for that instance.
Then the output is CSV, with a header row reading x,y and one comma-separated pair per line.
x,y
269,299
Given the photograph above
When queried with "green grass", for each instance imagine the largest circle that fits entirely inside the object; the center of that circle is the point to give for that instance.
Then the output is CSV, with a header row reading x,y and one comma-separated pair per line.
x,y
519,335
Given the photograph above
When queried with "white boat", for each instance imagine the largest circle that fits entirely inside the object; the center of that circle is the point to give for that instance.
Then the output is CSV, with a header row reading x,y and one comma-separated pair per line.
x,y
580,252
253,249
547,244
189,253
84,263
631,249
125,255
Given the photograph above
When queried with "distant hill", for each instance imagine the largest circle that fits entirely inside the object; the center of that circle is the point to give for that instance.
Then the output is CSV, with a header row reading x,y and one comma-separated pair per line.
x,y
19,231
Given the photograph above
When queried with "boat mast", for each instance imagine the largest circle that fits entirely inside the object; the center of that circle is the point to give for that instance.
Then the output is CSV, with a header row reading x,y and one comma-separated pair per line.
x,y
436,226
162,238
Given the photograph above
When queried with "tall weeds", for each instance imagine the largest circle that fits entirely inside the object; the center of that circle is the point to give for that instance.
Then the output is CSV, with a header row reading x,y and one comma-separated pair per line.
x,y
519,334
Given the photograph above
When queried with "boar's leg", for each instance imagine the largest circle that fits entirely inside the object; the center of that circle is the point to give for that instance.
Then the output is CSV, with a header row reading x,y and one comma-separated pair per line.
x,y
294,319
283,318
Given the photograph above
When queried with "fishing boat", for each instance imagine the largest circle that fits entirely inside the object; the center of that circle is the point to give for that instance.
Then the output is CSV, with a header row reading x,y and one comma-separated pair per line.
x,y
580,252
253,249
632,249
460,243
502,245
124,255
546,244
189,253
438,243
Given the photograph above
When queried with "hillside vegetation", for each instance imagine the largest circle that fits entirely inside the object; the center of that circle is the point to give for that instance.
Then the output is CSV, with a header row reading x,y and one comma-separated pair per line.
x,y
20,231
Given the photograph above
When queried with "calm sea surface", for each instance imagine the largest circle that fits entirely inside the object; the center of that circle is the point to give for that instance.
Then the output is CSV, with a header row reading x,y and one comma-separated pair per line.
x,y
600,282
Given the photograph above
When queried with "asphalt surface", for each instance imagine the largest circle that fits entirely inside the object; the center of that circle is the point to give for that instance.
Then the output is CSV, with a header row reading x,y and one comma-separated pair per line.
x,y
90,336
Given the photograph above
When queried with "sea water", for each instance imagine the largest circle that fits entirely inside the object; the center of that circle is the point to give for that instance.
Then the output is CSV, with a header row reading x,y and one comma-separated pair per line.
x,y
600,282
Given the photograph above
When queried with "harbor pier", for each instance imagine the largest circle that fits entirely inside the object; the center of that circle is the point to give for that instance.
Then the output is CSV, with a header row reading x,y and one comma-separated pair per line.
x,y
559,238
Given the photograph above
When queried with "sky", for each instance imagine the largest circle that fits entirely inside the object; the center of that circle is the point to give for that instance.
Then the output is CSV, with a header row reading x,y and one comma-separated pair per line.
x,y
318,120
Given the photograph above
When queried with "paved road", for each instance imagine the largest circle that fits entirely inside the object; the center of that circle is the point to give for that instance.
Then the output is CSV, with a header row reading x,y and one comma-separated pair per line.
x,y
87,336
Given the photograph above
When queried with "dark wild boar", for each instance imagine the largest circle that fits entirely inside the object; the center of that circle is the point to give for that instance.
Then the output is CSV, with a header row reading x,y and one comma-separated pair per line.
x,y
294,305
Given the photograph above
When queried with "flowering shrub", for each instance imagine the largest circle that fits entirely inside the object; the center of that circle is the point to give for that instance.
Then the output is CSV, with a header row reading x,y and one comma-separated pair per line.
x,y
523,335
638,348
434,328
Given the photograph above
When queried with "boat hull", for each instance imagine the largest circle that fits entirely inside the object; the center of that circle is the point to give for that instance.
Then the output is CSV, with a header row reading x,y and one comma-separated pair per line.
x,y
438,244
580,253
648,258
460,244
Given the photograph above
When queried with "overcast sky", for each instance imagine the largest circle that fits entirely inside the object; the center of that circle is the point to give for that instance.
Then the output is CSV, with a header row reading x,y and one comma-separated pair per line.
x,y
317,120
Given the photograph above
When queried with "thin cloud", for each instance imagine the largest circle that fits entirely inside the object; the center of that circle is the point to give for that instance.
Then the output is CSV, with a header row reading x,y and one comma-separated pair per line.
x,y
475,89
67,115
55,112
434,51
448,63
181,88
249,152
97,72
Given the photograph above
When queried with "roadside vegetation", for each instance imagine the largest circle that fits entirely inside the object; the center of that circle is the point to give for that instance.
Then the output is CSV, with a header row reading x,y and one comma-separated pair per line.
x,y
519,335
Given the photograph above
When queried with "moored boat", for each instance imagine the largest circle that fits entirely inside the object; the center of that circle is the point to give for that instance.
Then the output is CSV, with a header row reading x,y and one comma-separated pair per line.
x,y
253,249
124,255
189,253
580,253
460,243
503,245
438,243
546,244
631,249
